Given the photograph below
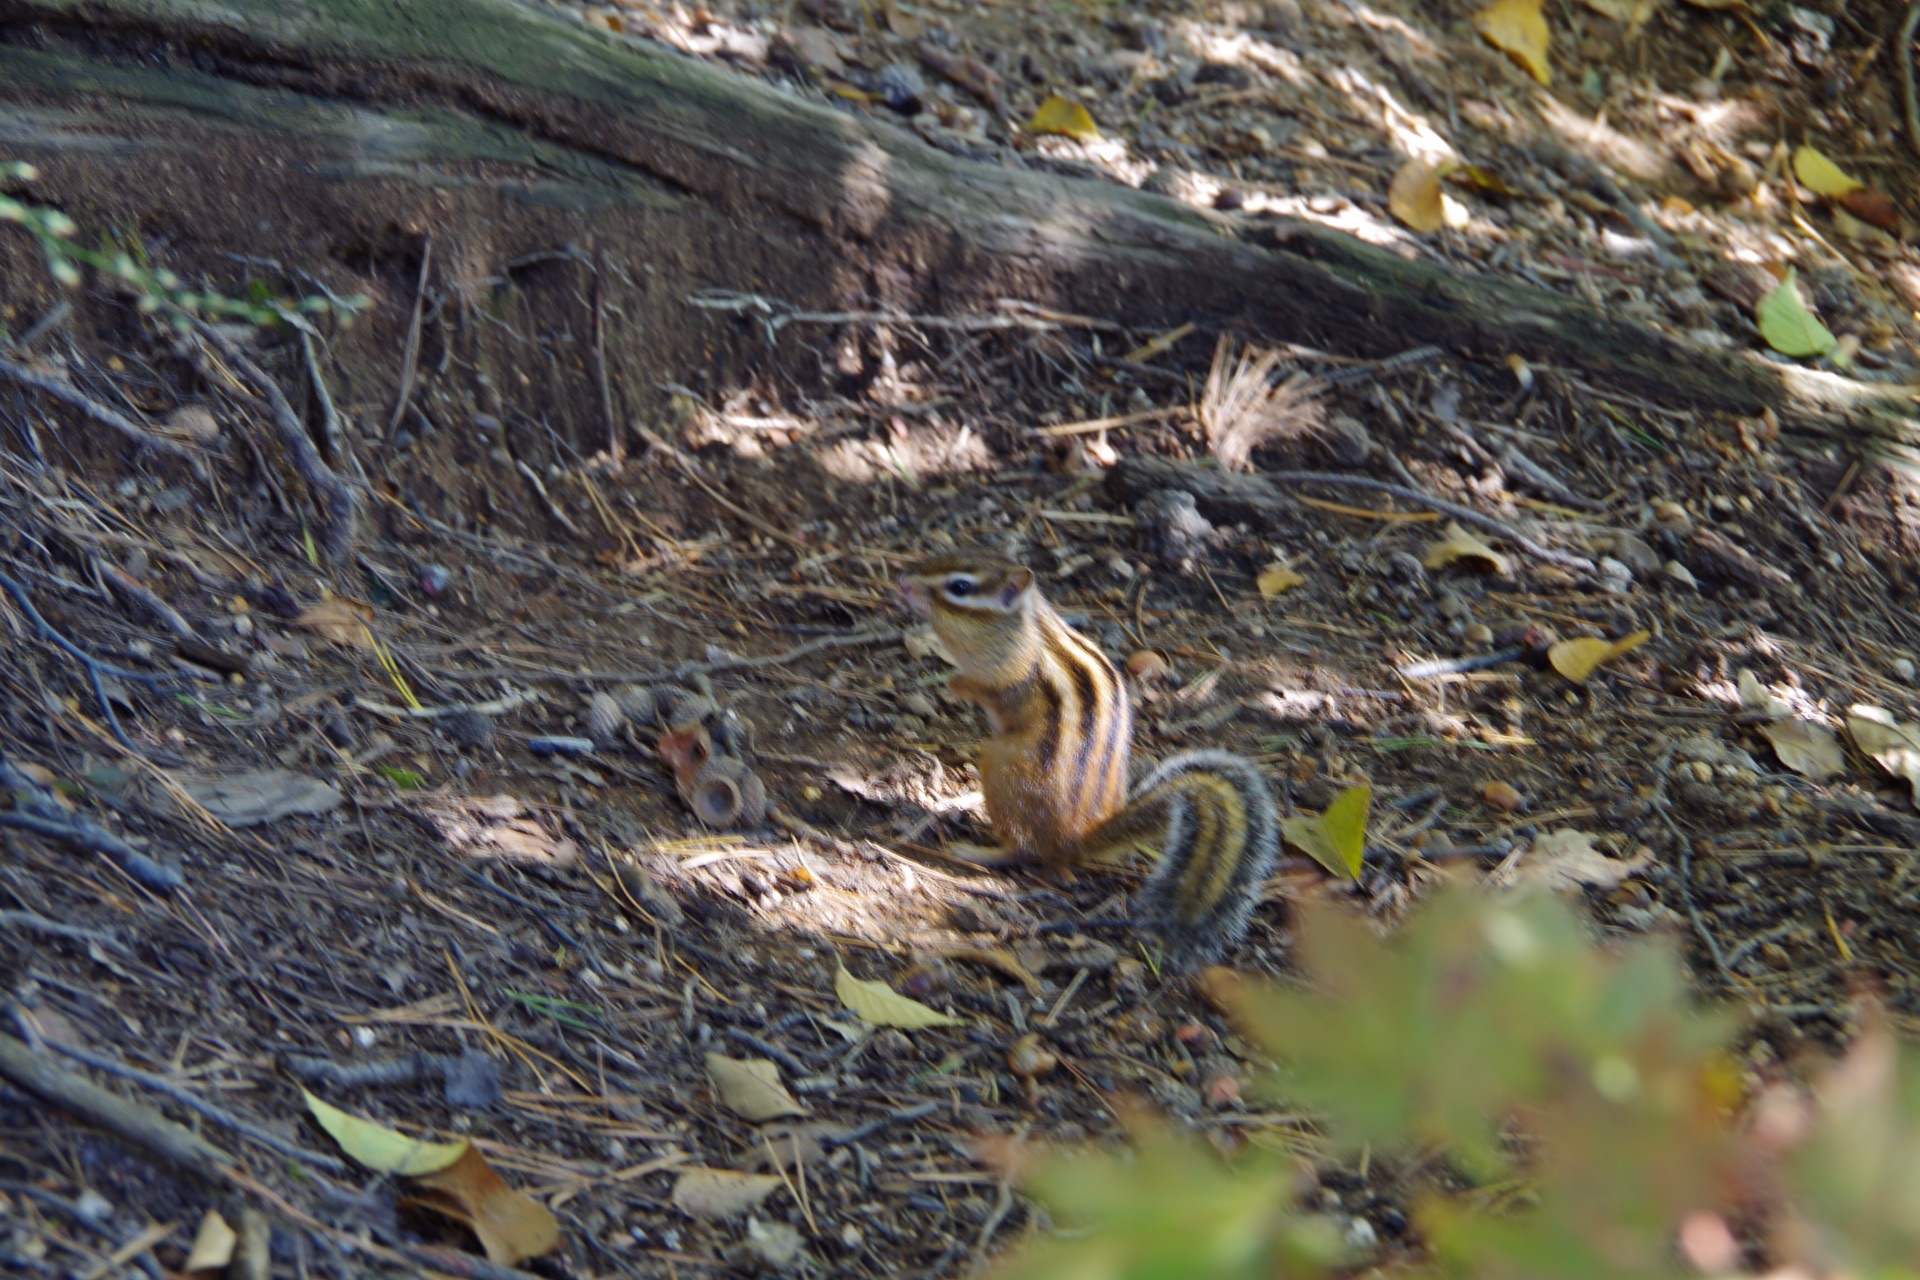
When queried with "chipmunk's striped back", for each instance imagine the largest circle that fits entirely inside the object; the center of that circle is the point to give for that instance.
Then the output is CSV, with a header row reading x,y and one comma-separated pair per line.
x,y
1084,751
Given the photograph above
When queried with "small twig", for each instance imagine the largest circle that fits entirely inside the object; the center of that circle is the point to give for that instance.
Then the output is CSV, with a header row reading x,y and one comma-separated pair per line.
x,y
138,1124
608,417
35,809
94,667
53,928
918,1111
553,508
410,363
1468,515
133,589
1662,772
772,1050
194,1102
334,496
92,408
330,429
1903,50
55,317
775,316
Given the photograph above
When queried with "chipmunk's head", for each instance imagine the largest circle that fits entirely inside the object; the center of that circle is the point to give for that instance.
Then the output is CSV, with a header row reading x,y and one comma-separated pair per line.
x,y
975,602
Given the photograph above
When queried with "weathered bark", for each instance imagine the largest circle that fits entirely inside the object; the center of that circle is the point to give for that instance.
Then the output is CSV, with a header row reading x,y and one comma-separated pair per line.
x,y
260,126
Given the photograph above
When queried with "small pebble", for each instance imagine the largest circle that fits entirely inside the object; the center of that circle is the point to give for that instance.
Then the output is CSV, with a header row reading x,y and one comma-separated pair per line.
x,y
1030,1058
1503,796
1147,666
1903,668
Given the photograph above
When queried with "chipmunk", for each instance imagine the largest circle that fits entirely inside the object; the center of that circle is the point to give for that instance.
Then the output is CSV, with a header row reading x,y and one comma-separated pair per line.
x,y
1054,773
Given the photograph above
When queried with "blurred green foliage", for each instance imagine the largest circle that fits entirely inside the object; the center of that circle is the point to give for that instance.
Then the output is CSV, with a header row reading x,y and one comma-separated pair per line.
x,y
125,259
1581,1079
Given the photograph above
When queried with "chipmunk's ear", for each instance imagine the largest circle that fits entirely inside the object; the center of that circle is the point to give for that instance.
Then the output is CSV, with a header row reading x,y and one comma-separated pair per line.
x,y
1016,585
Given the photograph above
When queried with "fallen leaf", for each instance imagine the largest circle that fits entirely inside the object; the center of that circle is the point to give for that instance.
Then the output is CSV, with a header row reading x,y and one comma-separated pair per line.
x,y
900,22
1461,545
1415,197
380,1148
1872,206
255,796
751,1088
776,1246
1479,178
1806,748
1822,176
1275,579
1567,859
1337,838
1518,29
722,1193
881,1006
342,620
1788,326
1757,701
1066,117
212,1244
1578,658
1632,13
1887,743
510,1225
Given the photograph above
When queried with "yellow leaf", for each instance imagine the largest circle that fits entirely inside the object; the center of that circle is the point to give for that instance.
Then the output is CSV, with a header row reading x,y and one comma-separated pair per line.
x,y
380,1148
1461,545
1788,326
1064,116
1518,29
1336,839
1275,579
212,1244
1415,197
510,1225
1822,176
751,1088
1579,658
881,1006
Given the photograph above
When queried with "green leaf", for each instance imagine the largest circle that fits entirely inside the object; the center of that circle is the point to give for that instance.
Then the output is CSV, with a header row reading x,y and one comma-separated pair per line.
x,y
380,1148
1172,1211
881,1006
1336,839
1788,326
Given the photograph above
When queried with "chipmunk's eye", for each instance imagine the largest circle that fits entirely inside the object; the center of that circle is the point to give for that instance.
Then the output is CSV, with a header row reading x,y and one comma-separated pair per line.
x,y
960,585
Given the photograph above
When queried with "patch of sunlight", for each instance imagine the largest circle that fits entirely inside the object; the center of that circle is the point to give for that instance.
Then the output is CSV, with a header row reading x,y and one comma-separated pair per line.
x,y
1366,16
1112,156
910,454
1342,215
1235,48
1410,133
1599,140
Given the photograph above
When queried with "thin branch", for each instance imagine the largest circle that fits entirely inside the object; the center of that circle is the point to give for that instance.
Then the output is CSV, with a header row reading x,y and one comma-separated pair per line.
x,y
410,363
92,408
94,667
335,498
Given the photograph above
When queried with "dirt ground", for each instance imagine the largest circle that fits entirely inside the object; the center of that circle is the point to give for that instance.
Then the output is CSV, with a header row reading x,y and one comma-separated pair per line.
x,y
474,846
